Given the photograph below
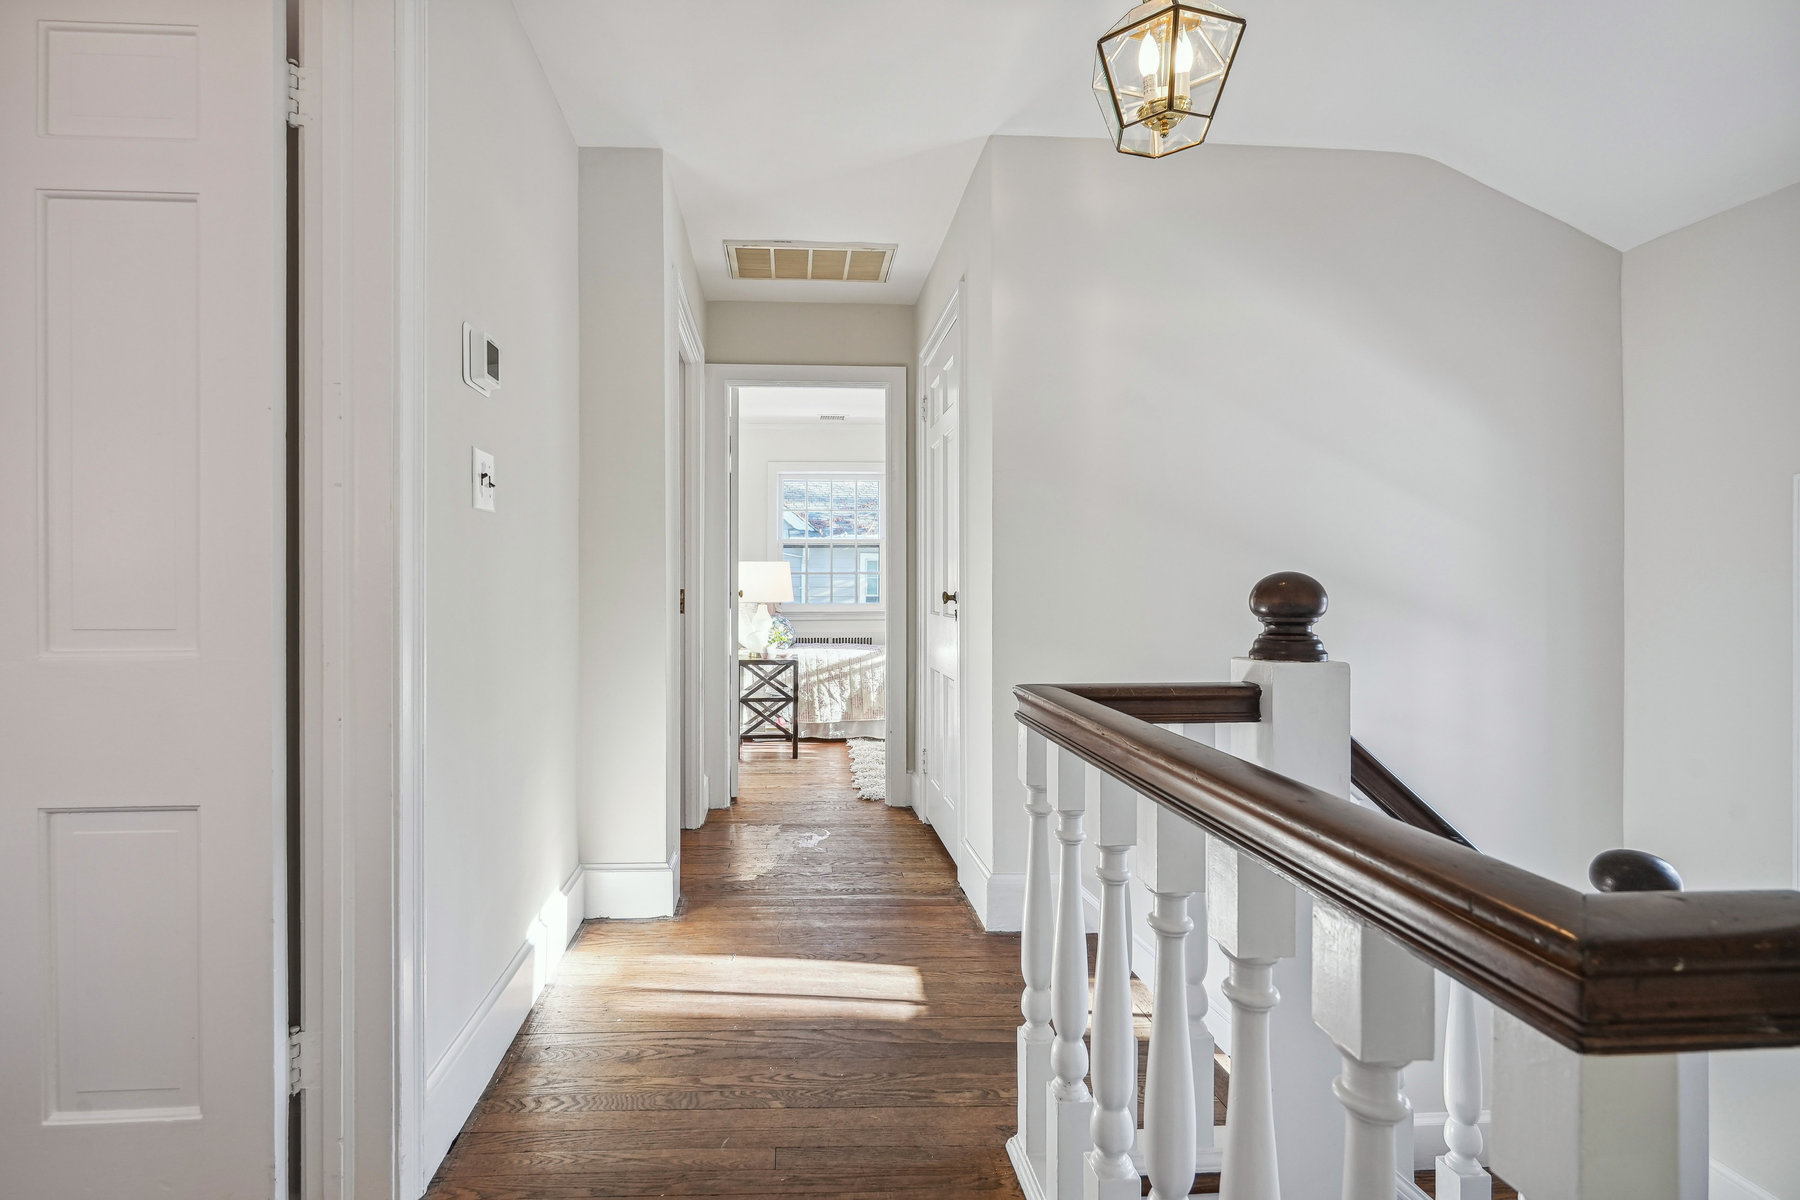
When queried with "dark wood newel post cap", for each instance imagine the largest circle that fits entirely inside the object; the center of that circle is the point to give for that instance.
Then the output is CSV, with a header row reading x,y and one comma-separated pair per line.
x,y
1287,603
1632,871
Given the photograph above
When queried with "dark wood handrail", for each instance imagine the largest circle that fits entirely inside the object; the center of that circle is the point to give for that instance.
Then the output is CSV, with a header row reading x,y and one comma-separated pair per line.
x,y
1178,703
1629,973
1394,798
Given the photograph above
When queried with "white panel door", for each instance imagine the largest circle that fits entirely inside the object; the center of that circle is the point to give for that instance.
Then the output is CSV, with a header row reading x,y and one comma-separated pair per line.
x,y
942,417
140,597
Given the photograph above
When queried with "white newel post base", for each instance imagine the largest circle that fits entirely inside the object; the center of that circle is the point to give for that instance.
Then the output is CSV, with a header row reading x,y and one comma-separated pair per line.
x,y
1457,1183
1034,1079
1574,1127
1067,1142
1114,1185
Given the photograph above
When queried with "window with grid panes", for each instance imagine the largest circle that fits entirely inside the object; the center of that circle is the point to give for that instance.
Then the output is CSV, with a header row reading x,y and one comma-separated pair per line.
x,y
829,524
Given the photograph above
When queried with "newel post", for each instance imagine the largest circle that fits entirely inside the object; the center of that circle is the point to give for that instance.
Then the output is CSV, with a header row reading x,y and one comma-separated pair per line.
x,y
1068,1105
1034,950
1569,1126
1304,733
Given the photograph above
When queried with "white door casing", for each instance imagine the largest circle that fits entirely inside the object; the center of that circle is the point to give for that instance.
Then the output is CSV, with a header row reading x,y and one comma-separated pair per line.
x,y
940,408
141,621
691,453
723,384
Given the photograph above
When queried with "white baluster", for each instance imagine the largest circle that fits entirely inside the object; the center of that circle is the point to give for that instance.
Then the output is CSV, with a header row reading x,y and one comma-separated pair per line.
x,y
1200,1040
1199,1036
1460,1175
1251,914
1378,1005
1034,952
1069,1105
1172,862
1170,1113
1110,1174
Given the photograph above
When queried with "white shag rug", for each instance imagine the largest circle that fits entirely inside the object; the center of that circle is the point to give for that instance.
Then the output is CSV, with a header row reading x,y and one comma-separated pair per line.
x,y
868,767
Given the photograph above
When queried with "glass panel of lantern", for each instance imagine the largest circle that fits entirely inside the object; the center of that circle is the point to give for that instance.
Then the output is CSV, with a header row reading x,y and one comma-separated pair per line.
x,y
1159,71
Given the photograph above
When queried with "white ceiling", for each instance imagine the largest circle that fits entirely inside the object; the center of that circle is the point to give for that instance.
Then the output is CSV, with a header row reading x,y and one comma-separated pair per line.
x,y
823,120
857,405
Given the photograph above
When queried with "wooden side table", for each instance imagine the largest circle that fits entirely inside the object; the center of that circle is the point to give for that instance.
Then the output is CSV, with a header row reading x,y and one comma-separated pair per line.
x,y
768,688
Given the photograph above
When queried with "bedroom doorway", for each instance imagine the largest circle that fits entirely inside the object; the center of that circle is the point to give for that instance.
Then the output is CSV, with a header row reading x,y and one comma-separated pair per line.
x,y
818,550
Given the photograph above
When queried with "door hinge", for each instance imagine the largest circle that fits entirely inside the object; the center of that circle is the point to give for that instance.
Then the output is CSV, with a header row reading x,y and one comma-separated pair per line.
x,y
300,95
924,759
684,600
303,1060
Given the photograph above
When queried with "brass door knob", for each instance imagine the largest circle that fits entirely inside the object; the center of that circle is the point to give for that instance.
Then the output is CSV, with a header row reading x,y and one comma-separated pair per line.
x,y
949,597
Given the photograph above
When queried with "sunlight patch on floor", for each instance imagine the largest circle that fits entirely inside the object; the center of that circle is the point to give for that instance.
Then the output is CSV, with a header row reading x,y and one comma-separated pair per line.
x,y
741,985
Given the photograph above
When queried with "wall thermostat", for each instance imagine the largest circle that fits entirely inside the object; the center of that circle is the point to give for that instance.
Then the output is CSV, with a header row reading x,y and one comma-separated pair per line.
x,y
481,360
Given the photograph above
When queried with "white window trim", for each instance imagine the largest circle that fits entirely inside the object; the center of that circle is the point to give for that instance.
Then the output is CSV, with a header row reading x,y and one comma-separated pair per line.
x,y
878,469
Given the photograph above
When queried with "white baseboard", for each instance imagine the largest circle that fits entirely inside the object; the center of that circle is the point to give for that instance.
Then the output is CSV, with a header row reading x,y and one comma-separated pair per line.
x,y
1005,912
458,1078
998,897
1023,1171
1726,1184
574,905
1405,1188
632,890
456,1082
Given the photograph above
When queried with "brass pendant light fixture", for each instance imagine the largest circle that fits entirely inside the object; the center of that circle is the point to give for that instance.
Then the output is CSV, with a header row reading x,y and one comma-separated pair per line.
x,y
1158,73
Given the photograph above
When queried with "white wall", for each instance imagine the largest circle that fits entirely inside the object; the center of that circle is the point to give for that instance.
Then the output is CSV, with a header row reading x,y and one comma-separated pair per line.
x,y
834,445
825,335
1365,366
633,251
501,695
1712,452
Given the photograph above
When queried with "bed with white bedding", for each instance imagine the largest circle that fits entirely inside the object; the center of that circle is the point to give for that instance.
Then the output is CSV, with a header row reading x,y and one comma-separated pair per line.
x,y
843,689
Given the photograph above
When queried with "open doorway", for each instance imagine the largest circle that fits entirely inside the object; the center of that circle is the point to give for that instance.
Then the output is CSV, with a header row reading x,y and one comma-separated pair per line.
x,y
818,547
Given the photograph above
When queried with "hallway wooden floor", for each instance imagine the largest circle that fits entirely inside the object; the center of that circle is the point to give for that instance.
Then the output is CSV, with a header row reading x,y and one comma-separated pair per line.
x,y
825,1018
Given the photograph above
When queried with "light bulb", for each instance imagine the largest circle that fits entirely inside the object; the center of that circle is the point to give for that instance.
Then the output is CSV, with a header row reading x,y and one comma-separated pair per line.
x,y
1184,54
1149,56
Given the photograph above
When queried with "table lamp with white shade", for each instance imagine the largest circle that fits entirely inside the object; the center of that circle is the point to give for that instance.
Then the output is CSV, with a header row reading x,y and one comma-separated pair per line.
x,y
760,584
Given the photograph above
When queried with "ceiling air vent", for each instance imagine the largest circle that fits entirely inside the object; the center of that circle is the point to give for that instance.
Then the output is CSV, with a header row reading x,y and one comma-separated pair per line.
x,y
836,262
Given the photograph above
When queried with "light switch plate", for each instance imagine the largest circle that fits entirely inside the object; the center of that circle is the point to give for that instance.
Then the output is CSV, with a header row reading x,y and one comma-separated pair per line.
x,y
482,477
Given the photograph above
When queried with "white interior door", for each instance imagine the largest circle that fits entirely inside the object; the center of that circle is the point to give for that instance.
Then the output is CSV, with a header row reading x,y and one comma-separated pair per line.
x,y
941,378
141,619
